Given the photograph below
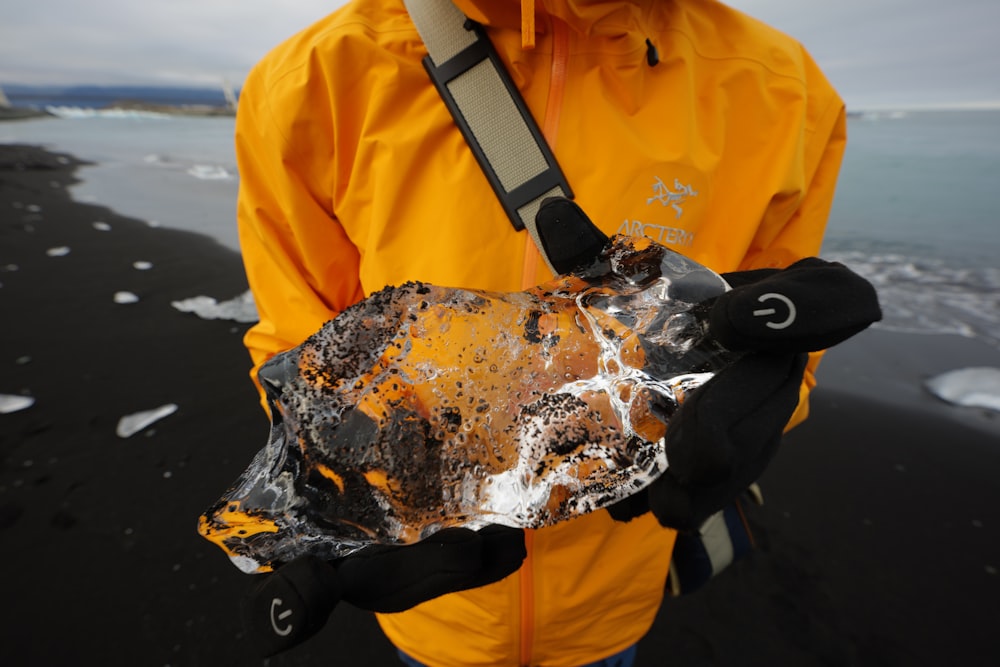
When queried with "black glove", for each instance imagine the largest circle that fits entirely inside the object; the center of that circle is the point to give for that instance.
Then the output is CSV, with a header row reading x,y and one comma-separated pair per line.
x,y
726,432
810,306
293,603
721,439
567,236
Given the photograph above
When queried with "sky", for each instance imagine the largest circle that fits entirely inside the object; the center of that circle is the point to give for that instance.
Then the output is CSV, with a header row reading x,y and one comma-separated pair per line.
x,y
880,54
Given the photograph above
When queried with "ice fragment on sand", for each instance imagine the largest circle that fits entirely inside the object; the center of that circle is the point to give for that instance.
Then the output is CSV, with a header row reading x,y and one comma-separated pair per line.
x,y
239,309
102,226
425,407
977,387
142,266
14,403
131,424
60,251
126,297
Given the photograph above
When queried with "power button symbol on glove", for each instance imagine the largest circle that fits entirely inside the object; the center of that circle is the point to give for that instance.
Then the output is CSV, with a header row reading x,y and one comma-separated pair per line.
x,y
765,312
281,632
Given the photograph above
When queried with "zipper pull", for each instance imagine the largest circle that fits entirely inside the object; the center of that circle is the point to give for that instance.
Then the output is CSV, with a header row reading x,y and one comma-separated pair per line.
x,y
652,55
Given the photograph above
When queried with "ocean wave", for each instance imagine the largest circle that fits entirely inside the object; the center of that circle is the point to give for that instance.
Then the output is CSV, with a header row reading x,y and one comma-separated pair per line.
x,y
926,295
86,112
156,159
209,172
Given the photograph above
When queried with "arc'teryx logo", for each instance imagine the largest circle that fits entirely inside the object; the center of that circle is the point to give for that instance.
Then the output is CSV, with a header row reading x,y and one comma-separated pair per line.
x,y
672,198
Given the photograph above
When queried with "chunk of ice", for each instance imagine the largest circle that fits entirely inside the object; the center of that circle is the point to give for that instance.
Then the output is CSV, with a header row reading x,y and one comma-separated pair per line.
x,y
14,403
426,407
131,424
977,387
125,297
238,309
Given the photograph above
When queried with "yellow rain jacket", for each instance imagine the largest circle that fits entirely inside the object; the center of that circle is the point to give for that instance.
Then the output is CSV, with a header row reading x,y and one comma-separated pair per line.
x,y
354,176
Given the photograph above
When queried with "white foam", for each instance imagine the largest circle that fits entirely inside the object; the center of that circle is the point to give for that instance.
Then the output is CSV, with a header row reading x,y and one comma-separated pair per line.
x,y
85,112
931,296
977,387
209,172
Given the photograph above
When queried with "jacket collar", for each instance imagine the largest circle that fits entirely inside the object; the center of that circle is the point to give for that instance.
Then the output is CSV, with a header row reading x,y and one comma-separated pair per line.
x,y
608,18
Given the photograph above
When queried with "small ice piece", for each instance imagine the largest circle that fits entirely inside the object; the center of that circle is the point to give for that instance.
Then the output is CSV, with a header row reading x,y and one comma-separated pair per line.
x,y
239,309
126,297
976,387
33,208
102,226
142,266
14,403
59,251
131,424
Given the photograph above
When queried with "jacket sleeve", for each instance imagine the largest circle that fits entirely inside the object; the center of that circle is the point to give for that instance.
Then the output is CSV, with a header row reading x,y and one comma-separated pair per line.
x,y
300,264
816,207
784,238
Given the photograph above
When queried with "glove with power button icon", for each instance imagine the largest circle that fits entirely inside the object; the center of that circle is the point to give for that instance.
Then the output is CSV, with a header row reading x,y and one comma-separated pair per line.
x,y
810,306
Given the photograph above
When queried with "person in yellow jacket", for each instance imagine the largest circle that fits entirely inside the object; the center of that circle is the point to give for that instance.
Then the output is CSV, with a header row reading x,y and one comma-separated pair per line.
x,y
685,121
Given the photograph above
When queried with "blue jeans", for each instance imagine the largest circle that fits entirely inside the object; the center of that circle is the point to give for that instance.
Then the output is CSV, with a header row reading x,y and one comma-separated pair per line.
x,y
623,659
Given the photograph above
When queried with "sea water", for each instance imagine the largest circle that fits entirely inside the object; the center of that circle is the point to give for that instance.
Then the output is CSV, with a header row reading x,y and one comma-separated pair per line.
x,y
174,171
916,210
917,213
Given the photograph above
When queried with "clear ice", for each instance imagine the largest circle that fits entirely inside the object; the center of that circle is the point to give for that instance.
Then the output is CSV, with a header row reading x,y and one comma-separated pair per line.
x,y
425,407
131,424
238,309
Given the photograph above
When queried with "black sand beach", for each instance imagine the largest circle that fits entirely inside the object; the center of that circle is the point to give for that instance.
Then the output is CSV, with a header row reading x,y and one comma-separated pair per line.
x,y
880,537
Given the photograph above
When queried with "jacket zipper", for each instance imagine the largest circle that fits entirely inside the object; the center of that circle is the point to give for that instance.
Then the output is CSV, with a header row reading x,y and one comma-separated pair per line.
x,y
550,130
527,601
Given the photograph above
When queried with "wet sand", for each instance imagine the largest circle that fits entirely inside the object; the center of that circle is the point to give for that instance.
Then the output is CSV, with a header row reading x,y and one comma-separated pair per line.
x,y
880,535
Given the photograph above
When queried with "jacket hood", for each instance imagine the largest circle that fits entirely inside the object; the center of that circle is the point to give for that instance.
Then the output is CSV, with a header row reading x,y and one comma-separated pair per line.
x,y
588,17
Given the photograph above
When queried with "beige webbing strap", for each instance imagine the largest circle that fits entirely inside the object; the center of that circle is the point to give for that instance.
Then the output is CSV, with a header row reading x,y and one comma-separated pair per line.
x,y
489,110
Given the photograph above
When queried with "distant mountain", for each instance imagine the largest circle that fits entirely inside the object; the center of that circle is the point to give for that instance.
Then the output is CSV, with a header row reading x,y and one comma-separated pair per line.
x,y
97,97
